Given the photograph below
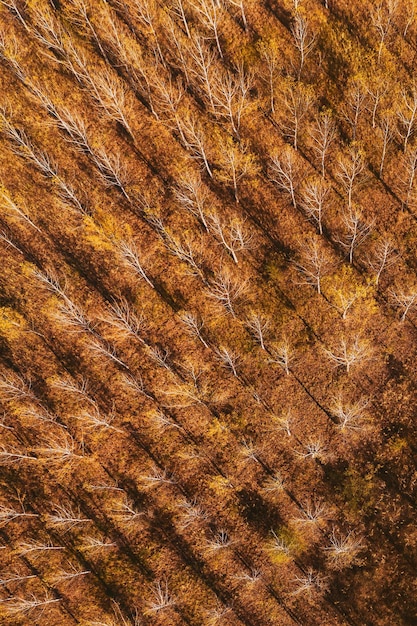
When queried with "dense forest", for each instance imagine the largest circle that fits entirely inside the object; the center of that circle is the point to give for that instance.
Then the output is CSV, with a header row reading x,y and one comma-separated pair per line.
x,y
208,312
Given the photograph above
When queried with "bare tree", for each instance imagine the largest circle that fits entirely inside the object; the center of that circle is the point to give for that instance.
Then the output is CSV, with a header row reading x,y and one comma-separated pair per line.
x,y
304,40
314,194
349,352
9,513
66,575
284,172
282,354
94,543
26,548
387,129
220,541
357,230
24,147
382,18
161,597
343,548
62,450
113,170
280,545
411,170
354,105
274,484
384,256
227,289
191,512
297,100
237,163
203,61
314,449
24,605
273,61
405,301
94,420
234,238
313,264
66,517
314,512
240,5
231,95
192,195
194,139
103,348
195,325
351,416
229,359
130,255
178,8
376,93
258,325
343,300
310,583
12,209
73,317
407,116
349,168
156,478
16,387
324,133
124,320
209,13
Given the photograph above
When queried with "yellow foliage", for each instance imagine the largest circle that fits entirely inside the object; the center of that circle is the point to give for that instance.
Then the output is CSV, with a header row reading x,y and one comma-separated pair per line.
x,y
10,323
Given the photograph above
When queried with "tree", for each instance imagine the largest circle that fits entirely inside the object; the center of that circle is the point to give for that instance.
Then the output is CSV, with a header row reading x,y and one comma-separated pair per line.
x,y
209,14
313,264
203,59
231,95
258,325
240,5
24,605
384,256
342,549
130,255
311,583
270,54
191,194
178,8
297,100
229,359
411,165
324,133
284,172
66,517
236,163
357,230
349,169
382,18
282,354
387,129
113,170
234,238
194,139
407,116
227,289
304,40
314,194
12,209
404,300
354,105
349,352
351,416
194,325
